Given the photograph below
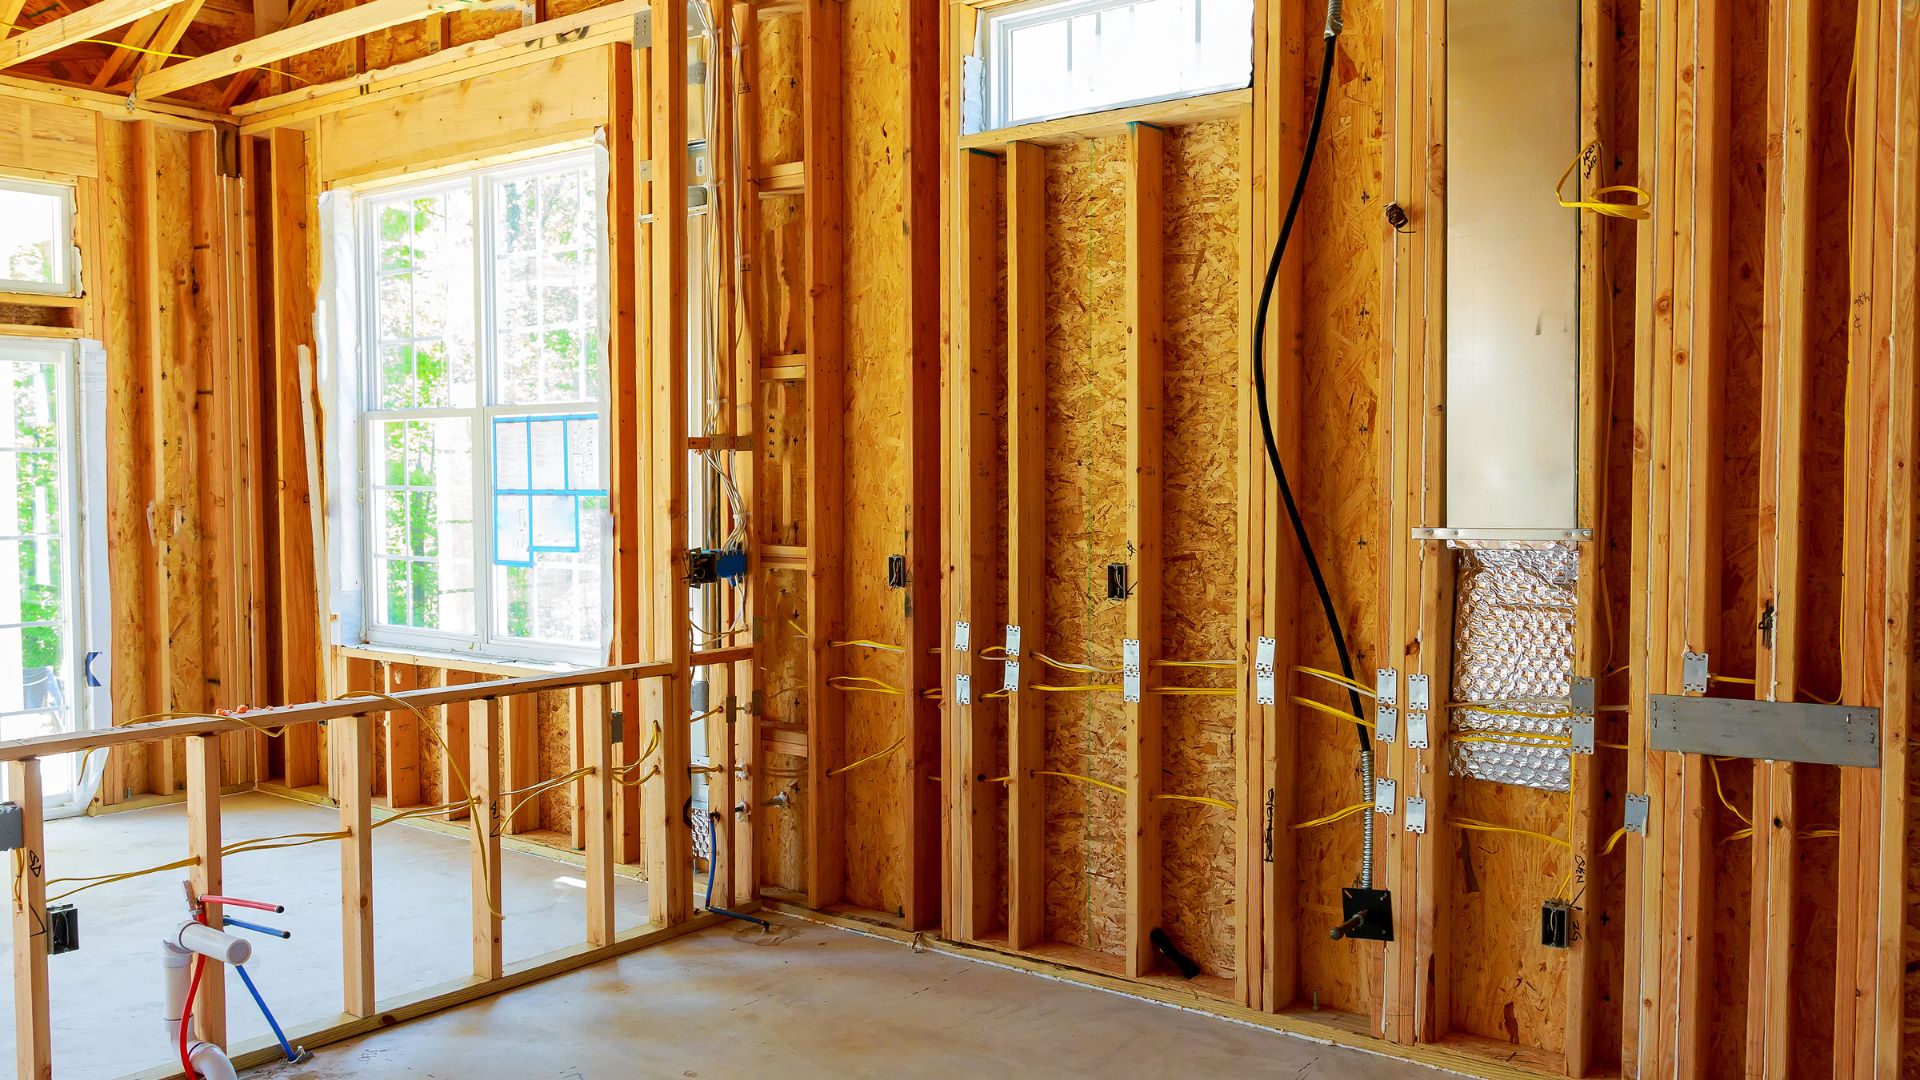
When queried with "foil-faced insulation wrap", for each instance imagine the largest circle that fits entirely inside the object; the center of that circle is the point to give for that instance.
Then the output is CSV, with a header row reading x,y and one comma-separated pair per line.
x,y
1513,650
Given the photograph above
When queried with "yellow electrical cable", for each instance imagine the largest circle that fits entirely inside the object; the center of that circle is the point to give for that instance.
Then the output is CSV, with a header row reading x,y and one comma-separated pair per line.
x,y
1081,688
1202,799
1333,677
1476,825
1343,812
1203,691
1714,764
1321,706
1495,710
1195,663
865,643
864,684
528,794
96,880
1082,779
870,758
1732,679
1613,841
1638,210
1510,739
1066,665
797,628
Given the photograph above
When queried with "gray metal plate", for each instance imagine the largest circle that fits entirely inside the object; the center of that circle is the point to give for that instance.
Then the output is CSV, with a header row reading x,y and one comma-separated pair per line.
x,y
1768,730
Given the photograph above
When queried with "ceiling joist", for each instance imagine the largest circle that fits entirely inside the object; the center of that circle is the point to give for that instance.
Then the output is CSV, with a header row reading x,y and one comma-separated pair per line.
x,y
83,24
294,40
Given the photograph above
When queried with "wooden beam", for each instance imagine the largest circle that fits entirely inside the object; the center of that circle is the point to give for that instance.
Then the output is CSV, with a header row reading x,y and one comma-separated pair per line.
x,y
351,741
520,754
156,346
268,16
1787,282
203,843
920,199
1899,219
166,37
821,119
668,842
592,710
136,35
626,140
1026,535
403,739
1145,318
973,457
90,21
484,720
32,1022
292,41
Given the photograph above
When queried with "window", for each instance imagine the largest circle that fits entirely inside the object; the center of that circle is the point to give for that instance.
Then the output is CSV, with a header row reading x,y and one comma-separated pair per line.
x,y
41,626
486,509
36,238
1059,58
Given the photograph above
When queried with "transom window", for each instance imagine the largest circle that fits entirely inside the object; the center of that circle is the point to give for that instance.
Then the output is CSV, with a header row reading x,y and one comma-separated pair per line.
x,y
486,509
36,237
1065,57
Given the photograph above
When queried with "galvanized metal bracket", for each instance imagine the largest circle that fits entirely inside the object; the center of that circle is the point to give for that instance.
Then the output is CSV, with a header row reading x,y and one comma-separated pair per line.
x,y
963,689
1636,813
1013,641
962,636
1766,730
1010,681
1263,681
1693,673
1383,796
1417,697
1581,726
1416,814
1129,670
1386,698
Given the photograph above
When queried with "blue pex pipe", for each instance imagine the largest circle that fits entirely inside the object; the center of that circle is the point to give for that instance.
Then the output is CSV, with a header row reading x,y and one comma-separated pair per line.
x,y
256,927
285,1047
713,860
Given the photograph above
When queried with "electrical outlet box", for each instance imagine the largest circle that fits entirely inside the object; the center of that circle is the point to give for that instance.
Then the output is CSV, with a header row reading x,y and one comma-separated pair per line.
x,y
1556,924
63,928
1368,914
896,571
698,694
620,724
1117,581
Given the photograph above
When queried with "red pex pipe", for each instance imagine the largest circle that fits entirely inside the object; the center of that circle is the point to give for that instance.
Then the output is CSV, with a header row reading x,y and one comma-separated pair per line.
x,y
234,901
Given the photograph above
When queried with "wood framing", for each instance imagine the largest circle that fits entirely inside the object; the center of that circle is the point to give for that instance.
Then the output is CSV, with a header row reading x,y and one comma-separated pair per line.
x,y
87,22
1146,477
1026,542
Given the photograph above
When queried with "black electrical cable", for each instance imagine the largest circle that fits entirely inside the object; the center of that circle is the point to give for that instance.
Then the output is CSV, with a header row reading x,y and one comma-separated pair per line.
x,y
1260,371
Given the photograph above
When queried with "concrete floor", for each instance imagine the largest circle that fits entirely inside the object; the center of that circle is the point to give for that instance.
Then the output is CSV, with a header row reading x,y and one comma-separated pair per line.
x,y
106,996
814,1001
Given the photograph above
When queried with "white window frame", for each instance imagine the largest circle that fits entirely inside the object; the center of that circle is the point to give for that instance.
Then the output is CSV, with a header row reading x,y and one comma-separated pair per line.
x,y
67,281
484,642
997,26
84,583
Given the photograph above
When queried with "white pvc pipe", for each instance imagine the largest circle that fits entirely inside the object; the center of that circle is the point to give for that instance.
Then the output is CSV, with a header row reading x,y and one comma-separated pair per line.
x,y
176,966
212,944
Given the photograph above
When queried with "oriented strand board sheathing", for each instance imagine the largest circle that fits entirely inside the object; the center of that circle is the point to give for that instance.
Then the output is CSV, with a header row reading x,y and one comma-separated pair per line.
x,y
782,271
782,676
1341,492
1200,466
1506,985
776,86
1086,530
873,524
430,752
337,61
553,729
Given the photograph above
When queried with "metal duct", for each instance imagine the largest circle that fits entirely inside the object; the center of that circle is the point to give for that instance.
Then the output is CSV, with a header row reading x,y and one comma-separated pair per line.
x,y
1513,651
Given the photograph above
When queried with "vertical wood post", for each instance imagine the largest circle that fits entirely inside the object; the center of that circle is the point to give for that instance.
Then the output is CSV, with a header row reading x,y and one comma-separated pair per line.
x,y
483,732
971,459
32,1025
669,845
351,741
1026,534
1145,325
626,137
821,121
920,196
403,739
203,843
596,810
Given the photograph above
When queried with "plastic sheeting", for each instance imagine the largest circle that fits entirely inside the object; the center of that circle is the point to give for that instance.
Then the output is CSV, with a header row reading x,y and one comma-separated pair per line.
x,y
1513,651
